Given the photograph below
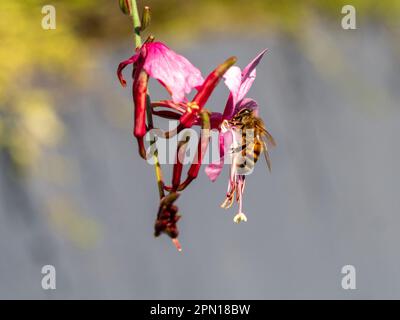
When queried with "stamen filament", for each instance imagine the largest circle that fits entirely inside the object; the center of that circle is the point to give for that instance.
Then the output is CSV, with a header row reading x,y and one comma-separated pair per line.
x,y
176,243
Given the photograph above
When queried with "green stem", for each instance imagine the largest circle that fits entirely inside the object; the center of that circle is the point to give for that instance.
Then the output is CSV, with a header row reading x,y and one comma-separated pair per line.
x,y
136,24
138,44
157,166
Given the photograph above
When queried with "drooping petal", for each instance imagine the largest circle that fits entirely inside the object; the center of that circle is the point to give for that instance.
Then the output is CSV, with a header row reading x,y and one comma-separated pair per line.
x,y
172,70
122,66
225,142
213,170
139,90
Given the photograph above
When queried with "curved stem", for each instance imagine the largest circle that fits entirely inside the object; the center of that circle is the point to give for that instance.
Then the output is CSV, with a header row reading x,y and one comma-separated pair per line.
x,y
157,166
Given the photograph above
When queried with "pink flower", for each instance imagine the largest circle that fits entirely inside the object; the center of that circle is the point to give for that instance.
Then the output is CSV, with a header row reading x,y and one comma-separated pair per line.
x,y
172,70
239,83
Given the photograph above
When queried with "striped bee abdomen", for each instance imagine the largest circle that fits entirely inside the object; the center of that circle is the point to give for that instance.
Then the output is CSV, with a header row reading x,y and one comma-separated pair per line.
x,y
249,153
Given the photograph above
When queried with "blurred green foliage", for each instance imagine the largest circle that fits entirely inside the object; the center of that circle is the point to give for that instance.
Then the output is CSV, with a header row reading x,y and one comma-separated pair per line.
x,y
31,59
254,16
28,121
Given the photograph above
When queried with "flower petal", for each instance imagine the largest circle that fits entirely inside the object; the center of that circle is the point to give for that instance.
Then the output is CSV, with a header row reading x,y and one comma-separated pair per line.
x,y
252,65
233,80
246,85
213,170
172,70
249,75
239,84
122,66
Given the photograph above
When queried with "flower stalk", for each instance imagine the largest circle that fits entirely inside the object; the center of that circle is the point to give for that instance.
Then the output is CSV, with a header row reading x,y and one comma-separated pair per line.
x,y
153,146
136,23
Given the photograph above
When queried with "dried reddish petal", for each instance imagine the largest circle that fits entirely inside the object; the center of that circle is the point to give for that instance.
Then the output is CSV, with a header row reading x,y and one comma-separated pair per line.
x,y
122,66
167,217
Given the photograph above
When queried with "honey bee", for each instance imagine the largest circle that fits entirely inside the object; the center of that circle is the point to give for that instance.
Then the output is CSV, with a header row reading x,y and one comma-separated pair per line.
x,y
254,139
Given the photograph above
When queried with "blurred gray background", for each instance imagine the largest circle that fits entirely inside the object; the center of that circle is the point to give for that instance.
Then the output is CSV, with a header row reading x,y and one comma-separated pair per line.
x,y
331,101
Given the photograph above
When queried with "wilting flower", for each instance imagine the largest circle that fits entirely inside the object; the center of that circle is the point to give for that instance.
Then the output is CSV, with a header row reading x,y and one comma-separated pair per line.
x,y
167,218
173,71
239,83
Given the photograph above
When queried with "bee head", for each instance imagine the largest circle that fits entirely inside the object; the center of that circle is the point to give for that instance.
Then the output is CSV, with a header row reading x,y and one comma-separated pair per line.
x,y
242,116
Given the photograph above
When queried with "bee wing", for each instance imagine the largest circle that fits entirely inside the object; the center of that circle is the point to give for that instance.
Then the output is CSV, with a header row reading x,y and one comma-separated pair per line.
x,y
268,142
266,155
268,139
